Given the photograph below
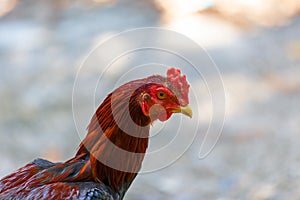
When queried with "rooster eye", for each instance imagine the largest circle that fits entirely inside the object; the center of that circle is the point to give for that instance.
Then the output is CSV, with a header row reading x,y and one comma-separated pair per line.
x,y
161,95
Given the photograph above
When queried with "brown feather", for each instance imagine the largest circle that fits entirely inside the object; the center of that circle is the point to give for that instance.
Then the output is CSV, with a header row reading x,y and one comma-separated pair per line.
x,y
117,148
111,153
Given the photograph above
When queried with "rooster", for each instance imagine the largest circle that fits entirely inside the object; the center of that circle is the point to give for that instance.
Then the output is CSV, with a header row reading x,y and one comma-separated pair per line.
x,y
111,154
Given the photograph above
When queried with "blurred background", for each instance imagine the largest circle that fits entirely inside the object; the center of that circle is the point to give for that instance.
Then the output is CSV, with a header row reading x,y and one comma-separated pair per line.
x,y
255,44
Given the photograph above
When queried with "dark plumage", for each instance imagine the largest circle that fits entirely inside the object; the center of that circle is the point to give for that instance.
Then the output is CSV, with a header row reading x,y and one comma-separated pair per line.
x,y
110,156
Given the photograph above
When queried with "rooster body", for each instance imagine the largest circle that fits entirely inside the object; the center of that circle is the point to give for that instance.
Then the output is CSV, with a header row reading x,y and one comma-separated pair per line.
x,y
110,156
22,184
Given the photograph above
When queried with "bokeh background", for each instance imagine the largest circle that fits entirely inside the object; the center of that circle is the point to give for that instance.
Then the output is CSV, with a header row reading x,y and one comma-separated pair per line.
x,y
255,44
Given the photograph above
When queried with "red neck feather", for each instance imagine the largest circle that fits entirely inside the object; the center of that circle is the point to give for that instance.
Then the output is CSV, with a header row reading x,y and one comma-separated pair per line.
x,y
117,136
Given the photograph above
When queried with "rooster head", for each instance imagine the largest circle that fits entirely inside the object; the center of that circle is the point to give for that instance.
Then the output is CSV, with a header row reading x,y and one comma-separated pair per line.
x,y
161,100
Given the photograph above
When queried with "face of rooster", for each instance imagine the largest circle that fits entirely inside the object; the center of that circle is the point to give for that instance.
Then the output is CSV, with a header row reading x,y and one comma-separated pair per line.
x,y
161,100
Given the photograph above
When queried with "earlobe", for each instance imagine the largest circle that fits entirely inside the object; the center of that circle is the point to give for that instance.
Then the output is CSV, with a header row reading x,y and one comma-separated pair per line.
x,y
145,109
145,103
146,97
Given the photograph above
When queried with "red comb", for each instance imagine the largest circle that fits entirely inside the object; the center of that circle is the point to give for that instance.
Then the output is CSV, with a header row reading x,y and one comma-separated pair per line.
x,y
178,85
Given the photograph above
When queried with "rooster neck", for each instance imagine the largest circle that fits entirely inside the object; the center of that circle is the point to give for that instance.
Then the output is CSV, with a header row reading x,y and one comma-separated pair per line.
x,y
117,139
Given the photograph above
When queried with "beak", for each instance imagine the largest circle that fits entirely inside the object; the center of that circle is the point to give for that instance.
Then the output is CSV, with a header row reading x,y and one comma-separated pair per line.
x,y
186,110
